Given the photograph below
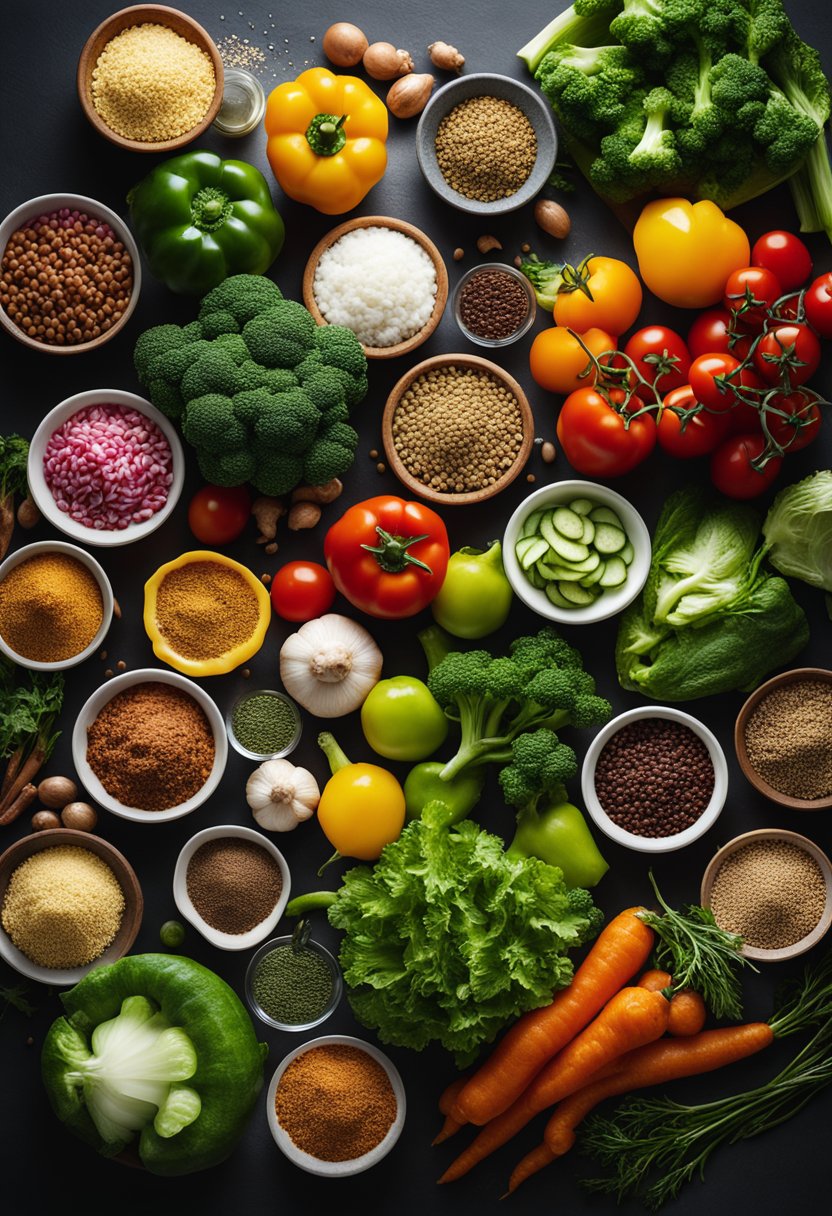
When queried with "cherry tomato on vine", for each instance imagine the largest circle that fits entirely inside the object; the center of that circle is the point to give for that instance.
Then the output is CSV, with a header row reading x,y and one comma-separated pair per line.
x,y
218,514
611,301
594,437
785,255
556,358
790,348
697,435
818,304
750,292
732,471
743,417
710,334
703,380
661,357
302,591
801,426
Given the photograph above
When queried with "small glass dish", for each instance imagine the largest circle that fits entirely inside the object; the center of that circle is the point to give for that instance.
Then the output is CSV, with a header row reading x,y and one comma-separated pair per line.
x,y
243,104
513,273
244,751
309,944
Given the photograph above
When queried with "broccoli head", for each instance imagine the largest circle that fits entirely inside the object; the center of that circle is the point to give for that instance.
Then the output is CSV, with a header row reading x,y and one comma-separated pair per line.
x,y
288,423
540,766
241,297
281,336
210,425
277,473
326,460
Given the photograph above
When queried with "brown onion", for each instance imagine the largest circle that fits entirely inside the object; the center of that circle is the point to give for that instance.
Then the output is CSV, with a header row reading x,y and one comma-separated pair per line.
x,y
383,62
344,44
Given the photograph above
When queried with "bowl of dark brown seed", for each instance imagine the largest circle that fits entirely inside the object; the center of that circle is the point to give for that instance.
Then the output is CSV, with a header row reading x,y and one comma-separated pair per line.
x,y
494,304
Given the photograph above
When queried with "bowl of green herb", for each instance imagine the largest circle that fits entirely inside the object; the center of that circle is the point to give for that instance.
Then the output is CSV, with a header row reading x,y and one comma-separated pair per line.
x,y
264,724
293,983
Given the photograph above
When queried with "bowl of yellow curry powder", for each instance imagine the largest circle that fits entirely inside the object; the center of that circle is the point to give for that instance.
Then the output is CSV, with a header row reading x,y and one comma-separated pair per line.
x,y
205,613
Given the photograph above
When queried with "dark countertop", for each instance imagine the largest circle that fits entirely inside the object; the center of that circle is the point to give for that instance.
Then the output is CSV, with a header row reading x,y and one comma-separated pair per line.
x,y
48,146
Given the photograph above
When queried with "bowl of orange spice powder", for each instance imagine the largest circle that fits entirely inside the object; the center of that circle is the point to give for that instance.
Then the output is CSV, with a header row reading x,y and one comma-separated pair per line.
x,y
205,613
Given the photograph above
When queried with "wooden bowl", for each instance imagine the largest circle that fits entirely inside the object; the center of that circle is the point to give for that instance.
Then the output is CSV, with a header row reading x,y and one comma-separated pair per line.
x,y
381,221
797,675
129,883
142,14
463,361
806,943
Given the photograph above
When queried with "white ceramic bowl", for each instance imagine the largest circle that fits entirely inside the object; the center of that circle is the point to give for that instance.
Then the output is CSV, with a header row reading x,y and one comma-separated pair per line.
x,y
61,546
43,495
90,711
336,1169
46,203
615,599
654,844
228,941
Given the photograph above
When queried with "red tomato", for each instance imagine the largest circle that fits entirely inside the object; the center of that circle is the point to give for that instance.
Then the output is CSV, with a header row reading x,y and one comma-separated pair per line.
x,y
302,591
687,435
218,514
594,437
750,293
661,357
791,349
802,421
818,304
704,372
785,255
732,471
710,334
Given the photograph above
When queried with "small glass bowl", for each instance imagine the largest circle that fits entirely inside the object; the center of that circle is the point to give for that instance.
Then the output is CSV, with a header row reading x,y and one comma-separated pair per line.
x,y
310,944
244,751
244,93
514,274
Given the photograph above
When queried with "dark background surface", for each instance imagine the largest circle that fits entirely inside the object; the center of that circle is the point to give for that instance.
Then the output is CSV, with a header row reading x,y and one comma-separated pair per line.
x,y
48,147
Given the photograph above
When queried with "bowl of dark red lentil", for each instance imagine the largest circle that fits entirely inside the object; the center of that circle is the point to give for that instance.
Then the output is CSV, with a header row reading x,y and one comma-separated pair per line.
x,y
264,724
232,884
457,429
486,144
773,888
783,739
70,274
77,462
149,745
494,304
654,779
293,984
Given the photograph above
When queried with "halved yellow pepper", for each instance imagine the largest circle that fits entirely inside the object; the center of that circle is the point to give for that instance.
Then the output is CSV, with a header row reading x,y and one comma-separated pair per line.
x,y
326,139
686,251
217,664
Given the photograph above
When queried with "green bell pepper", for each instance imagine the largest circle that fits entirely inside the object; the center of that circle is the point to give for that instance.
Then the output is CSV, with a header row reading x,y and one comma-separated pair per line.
x,y
476,596
200,219
559,835
459,795
196,1067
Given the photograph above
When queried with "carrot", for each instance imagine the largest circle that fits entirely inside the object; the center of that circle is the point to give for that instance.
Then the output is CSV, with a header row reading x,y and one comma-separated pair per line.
x,y
449,1096
655,981
655,1064
21,802
632,1018
687,1013
620,950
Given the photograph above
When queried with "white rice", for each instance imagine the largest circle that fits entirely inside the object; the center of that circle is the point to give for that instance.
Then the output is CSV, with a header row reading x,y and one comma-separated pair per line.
x,y
378,282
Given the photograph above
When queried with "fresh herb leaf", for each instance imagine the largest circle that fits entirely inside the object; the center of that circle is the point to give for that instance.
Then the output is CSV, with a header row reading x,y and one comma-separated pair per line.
x,y
16,997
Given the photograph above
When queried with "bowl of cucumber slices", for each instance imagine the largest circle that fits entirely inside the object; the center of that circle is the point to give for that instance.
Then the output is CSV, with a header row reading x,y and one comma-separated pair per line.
x,y
576,552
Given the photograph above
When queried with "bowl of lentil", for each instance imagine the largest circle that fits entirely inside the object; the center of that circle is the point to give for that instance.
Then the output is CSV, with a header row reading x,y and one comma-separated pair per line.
x,y
783,739
232,884
494,304
92,274
264,724
293,985
149,746
335,1106
773,888
380,277
486,144
56,605
457,429
76,465
654,779
69,901
150,78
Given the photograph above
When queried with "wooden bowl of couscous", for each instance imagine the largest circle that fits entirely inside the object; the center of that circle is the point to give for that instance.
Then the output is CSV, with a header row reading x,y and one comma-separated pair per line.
x,y
150,79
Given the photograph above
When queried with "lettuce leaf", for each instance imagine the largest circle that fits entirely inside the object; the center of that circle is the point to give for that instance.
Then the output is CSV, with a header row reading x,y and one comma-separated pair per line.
x,y
798,530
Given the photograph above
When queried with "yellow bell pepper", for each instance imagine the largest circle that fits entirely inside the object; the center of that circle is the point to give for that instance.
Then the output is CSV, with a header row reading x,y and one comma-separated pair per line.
x,y
362,807
686,251
326,139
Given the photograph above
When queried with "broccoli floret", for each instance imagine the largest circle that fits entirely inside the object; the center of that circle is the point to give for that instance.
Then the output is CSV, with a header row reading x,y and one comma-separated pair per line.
x,y
589,86
540,765
736,82
325,387
767,25
166,397
340,348
545,278
326,460
250,404
152,344
581,906
585,21
336,413
277,472
210,425
212,372
288,422
656,151
226,468
341,433
641,27
242,296
785,134
281,336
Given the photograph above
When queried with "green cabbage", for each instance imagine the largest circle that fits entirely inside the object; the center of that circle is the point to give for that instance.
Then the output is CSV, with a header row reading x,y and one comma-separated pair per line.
x,y
798,530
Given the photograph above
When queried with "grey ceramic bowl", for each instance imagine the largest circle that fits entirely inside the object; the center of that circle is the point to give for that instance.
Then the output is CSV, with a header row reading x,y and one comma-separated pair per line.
x,y
485,84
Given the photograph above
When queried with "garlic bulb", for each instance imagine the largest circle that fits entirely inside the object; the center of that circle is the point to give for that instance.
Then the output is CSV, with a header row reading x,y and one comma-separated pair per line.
x,y
330,665
281,796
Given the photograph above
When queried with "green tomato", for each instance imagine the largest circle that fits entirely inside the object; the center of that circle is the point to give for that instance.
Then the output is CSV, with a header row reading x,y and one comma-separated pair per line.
x,y
172,934
402,721
476,596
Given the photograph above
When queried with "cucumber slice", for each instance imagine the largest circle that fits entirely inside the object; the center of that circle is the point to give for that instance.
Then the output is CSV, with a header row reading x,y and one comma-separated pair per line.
x,y
581,506
603,515
534,549
545,571
536,580
530,523
609,539
586,566
615,573
565,573
588,534
556,597
576,594
568,551
627,553
523,544
594,576
568,523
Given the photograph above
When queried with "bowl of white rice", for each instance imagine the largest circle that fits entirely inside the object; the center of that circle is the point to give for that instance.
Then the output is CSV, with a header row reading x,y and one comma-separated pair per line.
x,y
380,277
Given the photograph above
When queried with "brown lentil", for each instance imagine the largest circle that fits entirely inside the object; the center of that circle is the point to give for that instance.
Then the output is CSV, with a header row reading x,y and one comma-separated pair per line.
x,y
50,607
493,305
485,148
234,884
151,746
771,892
151,84
63,906
335,1102
654,777
65,278
205,609
457,429
788,738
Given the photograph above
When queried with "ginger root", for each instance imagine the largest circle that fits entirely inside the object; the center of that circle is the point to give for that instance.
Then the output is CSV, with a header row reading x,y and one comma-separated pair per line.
x,y
324,494
304,515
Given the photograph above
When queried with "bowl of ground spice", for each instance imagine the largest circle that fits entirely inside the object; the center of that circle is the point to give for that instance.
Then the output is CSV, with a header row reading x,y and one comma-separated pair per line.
x,y
486,144
654,779
232,884
336,1106
56,605
457,429
149,746
264,724
783,739
69,901
150,78
293,983
773,888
